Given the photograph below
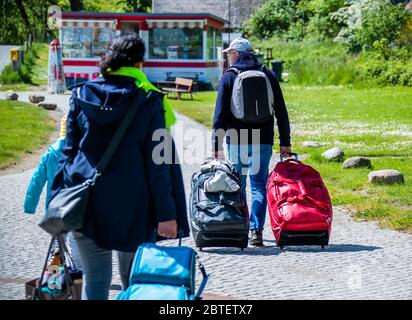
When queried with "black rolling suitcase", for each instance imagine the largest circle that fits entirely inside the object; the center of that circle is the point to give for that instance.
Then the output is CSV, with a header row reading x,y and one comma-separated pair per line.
x,y
218,211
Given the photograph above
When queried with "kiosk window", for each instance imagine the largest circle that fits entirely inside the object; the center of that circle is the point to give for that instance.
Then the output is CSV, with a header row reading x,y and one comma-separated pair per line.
x,y
85,42
179,43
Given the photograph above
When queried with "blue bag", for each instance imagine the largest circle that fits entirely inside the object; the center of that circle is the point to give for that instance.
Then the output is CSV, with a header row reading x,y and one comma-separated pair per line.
x,y
163,273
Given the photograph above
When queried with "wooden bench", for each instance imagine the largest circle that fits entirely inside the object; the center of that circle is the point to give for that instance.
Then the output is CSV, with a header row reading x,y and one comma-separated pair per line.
x,y
171,75
182,86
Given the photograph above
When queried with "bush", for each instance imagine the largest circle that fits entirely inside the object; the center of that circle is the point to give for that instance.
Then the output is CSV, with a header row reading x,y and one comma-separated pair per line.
x,y
297,31
320,23
368,21
395,70
8,76
274,17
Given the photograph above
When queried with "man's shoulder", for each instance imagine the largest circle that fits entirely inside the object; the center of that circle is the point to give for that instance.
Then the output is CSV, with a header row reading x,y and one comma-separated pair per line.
x,y
267,71
230,73
228,79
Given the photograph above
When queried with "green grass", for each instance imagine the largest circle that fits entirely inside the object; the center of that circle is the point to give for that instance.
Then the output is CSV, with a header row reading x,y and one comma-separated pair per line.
x,y
23,129
40,68
312,62
201,108
21,87
368,122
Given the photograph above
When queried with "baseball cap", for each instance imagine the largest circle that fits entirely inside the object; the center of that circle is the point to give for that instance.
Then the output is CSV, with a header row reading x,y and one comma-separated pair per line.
x,y
240,45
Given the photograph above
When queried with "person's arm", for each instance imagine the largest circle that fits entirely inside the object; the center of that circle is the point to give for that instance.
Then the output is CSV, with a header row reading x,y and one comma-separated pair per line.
x,y
36,186
160,184
282,117
222,111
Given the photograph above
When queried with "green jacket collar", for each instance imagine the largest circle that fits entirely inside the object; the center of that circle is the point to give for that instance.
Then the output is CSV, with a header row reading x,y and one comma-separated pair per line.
x,y
143,83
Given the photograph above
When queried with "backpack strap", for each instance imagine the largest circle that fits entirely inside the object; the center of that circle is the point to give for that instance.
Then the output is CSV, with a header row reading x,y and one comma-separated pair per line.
x,y
235,70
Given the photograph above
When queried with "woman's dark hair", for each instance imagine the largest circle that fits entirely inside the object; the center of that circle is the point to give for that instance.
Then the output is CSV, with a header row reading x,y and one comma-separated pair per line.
x,y
123,51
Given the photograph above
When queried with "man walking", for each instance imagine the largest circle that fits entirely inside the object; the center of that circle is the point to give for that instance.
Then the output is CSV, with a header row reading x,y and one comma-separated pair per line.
x,y
248,96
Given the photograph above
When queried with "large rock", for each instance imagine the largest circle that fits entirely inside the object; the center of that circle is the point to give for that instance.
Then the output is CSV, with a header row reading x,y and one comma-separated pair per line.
x,y
357,162
386,177
312,144
334,154
11,95
35,98
48,106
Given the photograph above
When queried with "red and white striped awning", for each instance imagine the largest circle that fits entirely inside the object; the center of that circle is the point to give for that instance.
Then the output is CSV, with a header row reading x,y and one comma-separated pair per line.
x,y
161,23
111,24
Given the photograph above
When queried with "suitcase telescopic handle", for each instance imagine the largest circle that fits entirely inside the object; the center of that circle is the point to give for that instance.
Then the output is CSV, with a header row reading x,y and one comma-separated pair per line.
x,y
179,234
292,155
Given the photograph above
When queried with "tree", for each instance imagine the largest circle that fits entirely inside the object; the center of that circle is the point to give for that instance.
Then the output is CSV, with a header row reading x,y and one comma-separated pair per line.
x,y
24,17
10,23
136,5
20,18
274,17
76,5
369,21
318,13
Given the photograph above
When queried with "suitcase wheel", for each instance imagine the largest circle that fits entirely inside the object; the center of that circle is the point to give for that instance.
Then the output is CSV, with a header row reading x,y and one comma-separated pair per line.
x,y
242,249
281,247
323,247
200,249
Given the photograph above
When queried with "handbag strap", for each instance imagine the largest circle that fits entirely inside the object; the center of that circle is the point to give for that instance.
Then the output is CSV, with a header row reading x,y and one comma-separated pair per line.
x,y
64,253
135,104
46,261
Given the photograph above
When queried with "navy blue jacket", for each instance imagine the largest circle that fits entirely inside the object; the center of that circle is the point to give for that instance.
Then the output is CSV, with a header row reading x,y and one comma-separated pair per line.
x,y
134,193
224,119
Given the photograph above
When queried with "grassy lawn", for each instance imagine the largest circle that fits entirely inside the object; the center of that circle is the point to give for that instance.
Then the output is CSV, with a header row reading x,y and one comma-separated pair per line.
x,y
40,68
23,129
21,87
363,122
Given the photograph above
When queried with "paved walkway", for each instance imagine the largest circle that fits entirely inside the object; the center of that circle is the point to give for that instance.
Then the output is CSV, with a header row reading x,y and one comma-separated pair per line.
x,y
361,262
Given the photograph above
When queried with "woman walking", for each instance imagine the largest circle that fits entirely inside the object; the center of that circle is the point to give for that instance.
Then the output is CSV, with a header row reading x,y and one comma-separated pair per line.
x,y
133,197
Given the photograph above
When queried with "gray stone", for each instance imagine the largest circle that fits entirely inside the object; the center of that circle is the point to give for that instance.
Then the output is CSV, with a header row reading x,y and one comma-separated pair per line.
x,y
334,154
48,106
386,177
11,96
357,162
35,98
312,144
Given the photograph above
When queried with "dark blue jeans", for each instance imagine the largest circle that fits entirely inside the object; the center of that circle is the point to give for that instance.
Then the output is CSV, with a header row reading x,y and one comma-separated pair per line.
x,y
253,159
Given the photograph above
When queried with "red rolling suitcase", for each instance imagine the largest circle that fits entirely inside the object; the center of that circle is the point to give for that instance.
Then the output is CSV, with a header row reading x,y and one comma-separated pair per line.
x,y
299,205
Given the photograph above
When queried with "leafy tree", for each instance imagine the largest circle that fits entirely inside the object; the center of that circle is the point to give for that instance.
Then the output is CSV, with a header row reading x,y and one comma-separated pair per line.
x,y
274,17
20,18
76,5
368,21
136,5
320,24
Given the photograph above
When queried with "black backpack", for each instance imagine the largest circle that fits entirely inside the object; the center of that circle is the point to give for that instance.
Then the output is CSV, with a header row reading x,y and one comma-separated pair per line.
x,y
252,97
